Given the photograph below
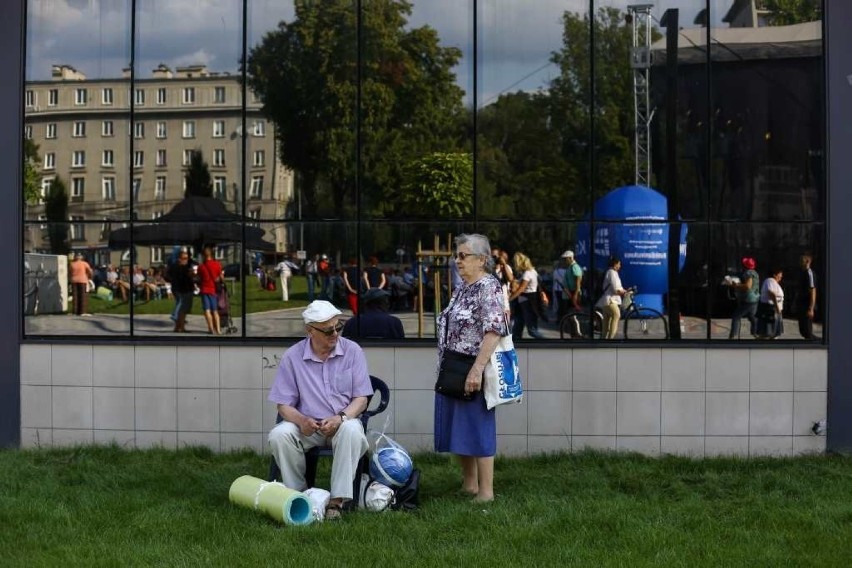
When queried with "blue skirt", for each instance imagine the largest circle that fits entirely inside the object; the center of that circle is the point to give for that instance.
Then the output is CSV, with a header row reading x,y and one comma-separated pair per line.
x,y
465,428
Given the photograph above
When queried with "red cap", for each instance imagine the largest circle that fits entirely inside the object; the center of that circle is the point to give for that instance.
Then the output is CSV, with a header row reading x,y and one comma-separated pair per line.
x,y
749,263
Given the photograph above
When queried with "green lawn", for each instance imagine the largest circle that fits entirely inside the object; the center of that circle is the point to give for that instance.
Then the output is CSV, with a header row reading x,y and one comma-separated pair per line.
x,y
257,300
103,506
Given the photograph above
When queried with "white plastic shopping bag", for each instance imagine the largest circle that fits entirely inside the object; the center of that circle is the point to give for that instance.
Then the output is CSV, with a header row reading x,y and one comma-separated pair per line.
x,y
502,377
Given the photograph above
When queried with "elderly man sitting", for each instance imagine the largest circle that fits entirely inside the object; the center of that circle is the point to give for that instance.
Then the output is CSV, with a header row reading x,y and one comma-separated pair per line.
x,y
321,388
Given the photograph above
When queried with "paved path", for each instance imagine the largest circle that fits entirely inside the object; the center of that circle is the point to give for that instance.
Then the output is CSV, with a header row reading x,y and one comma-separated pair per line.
x,y
288,323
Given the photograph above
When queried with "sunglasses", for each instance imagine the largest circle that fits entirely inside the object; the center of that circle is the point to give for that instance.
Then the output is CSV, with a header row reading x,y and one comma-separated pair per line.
x,y
330,331
464,255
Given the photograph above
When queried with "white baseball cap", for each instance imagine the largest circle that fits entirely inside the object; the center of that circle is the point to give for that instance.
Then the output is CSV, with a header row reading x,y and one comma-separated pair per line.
x,y
319,311
568,254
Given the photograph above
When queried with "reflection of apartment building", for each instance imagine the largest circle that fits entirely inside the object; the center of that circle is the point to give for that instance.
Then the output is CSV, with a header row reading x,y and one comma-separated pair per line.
x,y
85,135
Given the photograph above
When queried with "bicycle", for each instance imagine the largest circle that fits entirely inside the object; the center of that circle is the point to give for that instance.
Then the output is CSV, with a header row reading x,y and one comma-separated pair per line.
x,y
640,322
643,323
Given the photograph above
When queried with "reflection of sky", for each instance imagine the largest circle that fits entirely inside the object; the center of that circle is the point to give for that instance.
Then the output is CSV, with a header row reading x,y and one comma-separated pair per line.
x,y
516,37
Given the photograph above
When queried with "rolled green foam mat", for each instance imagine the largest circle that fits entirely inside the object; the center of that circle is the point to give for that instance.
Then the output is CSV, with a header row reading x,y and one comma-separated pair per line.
x,y
283,504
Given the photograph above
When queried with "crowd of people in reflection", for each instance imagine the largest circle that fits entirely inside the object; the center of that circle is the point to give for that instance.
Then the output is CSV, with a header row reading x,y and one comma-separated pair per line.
x,y
530,296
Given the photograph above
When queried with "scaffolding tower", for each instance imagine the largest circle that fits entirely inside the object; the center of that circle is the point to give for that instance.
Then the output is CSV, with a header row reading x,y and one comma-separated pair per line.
x,y
639,15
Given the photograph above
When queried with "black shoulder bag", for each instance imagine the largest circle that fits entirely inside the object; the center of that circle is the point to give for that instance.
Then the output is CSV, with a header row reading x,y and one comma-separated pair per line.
x,y
453,371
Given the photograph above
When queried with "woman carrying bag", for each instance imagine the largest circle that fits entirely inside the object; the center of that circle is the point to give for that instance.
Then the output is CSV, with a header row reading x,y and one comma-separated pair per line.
x,y
471,325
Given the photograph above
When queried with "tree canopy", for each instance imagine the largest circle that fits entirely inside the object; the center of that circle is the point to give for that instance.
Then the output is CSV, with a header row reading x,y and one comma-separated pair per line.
x,y
306,72
788,12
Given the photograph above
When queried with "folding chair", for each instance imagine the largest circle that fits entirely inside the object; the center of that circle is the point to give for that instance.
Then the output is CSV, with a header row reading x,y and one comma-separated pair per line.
x,y
312,456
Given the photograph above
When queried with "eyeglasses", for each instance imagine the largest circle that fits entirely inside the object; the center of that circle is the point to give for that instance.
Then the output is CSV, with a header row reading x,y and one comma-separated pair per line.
x,y
463,255
338,327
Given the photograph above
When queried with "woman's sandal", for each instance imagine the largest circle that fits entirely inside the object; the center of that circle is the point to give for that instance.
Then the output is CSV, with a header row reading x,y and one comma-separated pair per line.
x,y
333,511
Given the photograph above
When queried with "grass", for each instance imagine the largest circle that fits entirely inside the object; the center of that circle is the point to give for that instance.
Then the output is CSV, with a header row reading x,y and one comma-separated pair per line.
x,y
257,300
108,506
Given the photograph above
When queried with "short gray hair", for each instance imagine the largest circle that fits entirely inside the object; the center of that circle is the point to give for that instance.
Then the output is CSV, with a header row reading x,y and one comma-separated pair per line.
x,y
479,245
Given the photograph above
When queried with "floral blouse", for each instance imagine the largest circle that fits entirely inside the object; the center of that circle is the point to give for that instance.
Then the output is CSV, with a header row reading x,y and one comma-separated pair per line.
x,y
474,310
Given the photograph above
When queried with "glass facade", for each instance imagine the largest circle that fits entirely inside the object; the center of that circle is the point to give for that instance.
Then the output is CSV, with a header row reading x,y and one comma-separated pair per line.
x,y
682,137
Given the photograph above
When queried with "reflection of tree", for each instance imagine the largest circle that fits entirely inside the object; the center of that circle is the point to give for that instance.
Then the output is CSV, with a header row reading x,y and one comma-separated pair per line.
x,y
535,148
788,12
307,72
32,191
610,104
197,176
56,211
439,185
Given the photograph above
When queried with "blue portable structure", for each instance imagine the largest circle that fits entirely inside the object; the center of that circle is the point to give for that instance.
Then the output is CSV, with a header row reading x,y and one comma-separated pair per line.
x,y
620,230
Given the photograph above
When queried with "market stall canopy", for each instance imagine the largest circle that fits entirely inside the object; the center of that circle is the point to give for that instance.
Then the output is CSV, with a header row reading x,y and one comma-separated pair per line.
x,y
194,220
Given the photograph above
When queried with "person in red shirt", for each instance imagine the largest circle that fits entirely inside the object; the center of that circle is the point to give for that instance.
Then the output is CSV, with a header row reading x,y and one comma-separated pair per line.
x,y
210,274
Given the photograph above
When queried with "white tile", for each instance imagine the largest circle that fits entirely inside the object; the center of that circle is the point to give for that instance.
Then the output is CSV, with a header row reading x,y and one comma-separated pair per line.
x,y
683,414
594,369
602,443
198,410
156,439
36,406
415,368
199,439
156,366
683,369
808,407
513,418
197,367
548,444
381,363
771,369
415,443
415,412
593,414
239,441
35,364
72,407
36,438
639,369
123,438
810,369
775,446
270,359
638,414
686,446
727,414
725,446
241,367
645,445
242,411
803,445
548,369
549,413
71,365
771,414
72,437
114,408
269,415
727,369
511,446
113,365
156,409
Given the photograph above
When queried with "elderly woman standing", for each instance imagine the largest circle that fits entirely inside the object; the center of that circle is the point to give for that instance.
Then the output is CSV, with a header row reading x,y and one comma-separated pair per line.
x,y
472,323
610,301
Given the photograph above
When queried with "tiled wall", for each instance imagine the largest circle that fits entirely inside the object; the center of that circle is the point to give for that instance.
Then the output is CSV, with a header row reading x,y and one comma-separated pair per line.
x,y
682,401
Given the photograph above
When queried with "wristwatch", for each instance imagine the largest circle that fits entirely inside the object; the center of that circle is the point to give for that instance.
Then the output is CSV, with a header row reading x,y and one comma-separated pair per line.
x,y
343,417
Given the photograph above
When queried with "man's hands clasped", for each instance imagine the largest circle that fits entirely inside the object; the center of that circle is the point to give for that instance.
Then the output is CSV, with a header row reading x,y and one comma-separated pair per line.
x,y
327,427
